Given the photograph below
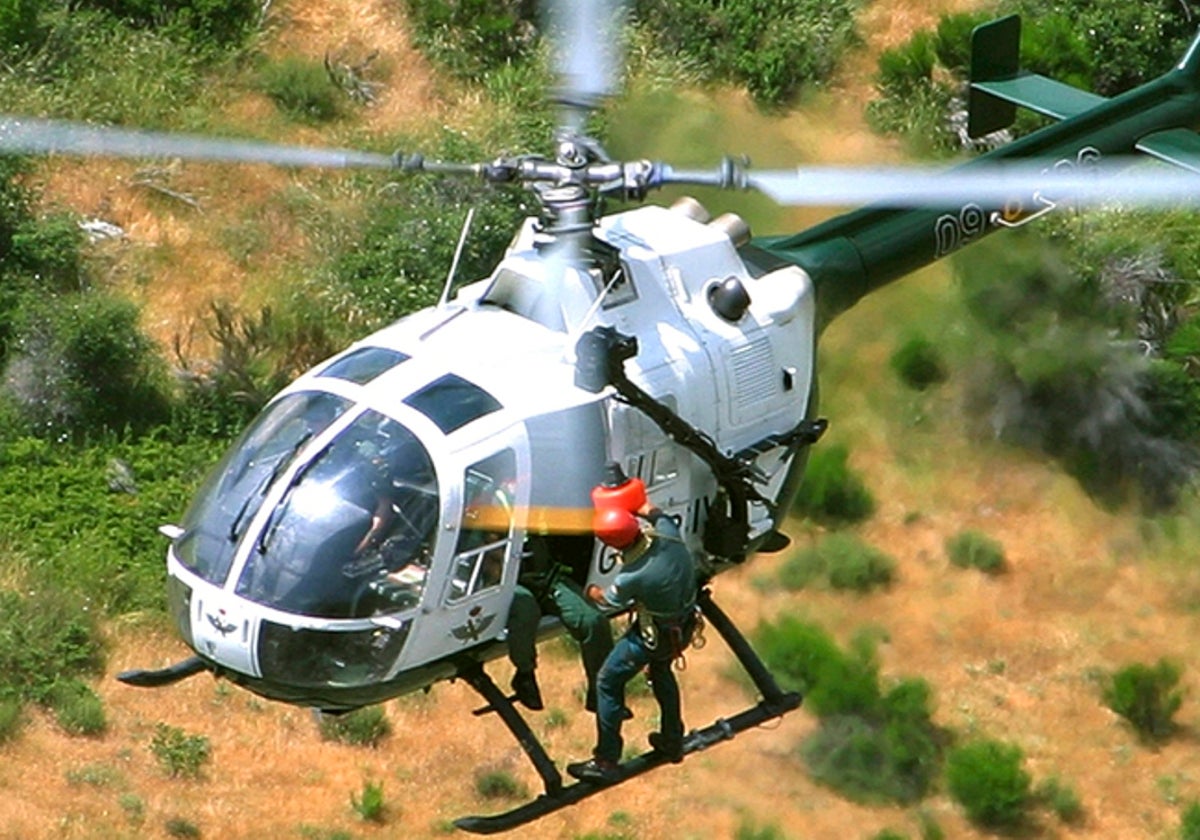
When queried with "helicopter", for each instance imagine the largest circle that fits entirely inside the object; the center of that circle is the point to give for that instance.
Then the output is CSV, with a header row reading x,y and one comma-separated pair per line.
x,y
349,547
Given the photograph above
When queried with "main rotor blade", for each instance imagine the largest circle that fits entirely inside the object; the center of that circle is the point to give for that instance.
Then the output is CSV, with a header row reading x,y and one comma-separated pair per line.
x,y
19,135
1029,184
587,53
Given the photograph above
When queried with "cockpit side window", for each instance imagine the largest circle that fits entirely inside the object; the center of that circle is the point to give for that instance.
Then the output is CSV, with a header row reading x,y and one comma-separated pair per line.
x,y
354,534
485,532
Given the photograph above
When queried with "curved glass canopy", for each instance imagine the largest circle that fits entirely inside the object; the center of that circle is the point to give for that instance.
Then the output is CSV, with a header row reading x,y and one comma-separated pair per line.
x,y
353,534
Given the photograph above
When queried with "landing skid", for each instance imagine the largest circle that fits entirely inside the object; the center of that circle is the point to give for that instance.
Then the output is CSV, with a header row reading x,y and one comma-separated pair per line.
x,y
775,703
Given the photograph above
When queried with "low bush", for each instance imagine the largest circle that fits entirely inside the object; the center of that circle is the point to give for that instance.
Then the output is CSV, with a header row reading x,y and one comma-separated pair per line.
x,y
91,502
473,37
77,708
499,784
987,779
773,47
10,718
364,727
178,753
1147,697
80,365
841,561
975,550
369,804
919,363
1060,798
832,492
872,745
45,637
301,88
1189,824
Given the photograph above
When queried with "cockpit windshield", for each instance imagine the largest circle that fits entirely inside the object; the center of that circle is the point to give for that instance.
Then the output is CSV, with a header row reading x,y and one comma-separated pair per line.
x,y
234,491
353,535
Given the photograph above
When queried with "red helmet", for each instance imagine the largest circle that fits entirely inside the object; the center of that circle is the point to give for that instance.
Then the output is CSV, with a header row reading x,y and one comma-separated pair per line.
x,y
616,527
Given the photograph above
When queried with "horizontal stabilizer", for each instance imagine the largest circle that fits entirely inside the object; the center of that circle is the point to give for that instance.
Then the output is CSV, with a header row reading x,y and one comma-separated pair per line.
x,y
1176,146
1043,95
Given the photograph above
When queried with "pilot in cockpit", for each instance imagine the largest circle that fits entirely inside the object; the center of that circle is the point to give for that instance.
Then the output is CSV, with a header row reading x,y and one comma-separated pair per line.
x,y
404,514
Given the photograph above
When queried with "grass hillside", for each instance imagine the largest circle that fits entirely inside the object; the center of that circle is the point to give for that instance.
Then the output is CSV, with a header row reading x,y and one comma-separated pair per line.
x,y
1021,649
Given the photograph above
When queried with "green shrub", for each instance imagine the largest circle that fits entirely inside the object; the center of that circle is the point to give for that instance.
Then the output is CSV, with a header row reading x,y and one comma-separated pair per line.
x,y
773,47
919,363
61,499
178,753
204,24
45,637
77,707
369,804
888,750
871,745
10,718
80,364
473,37
843,561
182,828
1189,826
19,28
364,727
987,779
1061,798
748,829
301,88
134,807
975,550
831,492
499,784
1147,697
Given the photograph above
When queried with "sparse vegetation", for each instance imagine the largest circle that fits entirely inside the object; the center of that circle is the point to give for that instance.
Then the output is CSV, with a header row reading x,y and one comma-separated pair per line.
x,y
773,47
976,550
1147,696
364,727
832,492
369,803
919,363
872,745
841,561
301,88
1189,825
182,828
499,784
987,778
1060,798
77,707
178,753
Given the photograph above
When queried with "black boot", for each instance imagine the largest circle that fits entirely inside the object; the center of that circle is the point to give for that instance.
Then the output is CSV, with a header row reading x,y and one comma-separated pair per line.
x,y
669,748
524,685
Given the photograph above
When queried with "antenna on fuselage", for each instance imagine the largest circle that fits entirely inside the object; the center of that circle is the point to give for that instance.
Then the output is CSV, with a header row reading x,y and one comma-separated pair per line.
x,y
462,241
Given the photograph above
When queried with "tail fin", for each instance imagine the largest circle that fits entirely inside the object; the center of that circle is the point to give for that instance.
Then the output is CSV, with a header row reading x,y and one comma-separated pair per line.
x,y
1189,65
998,86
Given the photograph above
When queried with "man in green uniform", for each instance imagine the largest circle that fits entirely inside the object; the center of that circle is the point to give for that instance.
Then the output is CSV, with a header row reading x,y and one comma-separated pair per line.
x,y
658,579
545,586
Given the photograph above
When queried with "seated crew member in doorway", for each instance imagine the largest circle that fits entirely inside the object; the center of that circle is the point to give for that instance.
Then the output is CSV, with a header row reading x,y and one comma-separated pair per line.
x,y
545,587
658,579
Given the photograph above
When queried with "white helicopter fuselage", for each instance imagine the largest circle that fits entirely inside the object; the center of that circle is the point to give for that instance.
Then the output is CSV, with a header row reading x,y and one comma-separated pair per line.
x,y
499,444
